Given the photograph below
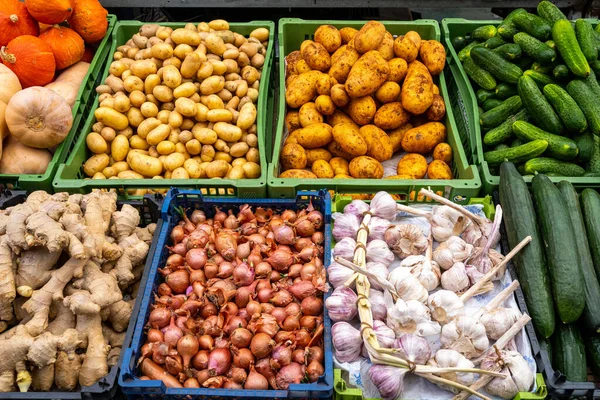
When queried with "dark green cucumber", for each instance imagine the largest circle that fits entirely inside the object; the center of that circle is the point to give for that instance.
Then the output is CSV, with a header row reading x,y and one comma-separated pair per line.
x,y
542,68
501,146
507,28
494,42
497,115
491,103
539,78
545,165
509,51
484,33
561,254
533,25
504,91
549,12
590,204
534,48
585,143
559,147
583,94
592,348
586,39
595,65
564,36
560,72
496,65
530,262
546,345
483,95
459,43
517,142
466,51
503,132
516,154
591,312
538,107
592,82
593,164
566,108
479,75
569,352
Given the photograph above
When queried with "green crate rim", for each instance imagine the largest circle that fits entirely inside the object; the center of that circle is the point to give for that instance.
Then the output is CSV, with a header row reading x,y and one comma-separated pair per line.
x,y
277,186
31,182
241,187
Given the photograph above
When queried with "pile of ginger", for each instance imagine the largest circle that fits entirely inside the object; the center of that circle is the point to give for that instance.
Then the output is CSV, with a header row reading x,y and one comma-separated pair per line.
x,y
70,268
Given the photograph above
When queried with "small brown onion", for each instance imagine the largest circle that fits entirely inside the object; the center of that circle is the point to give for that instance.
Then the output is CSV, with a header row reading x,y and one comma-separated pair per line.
x,y
159,317
197,275
282,298
279,314
179,248
173,364
281,259
257,238
314,353
308,271
284,234
225,270
202,376
154,335
264,295
178,281
312,306
187,347
220,216
290,374
244,314
237,375
293,309
219,361
231,221
267,308
191,383
304,228
263,284
174,261
289,215
208,309
275,276
230,308
282,354
310,322
314,370
256,381
206,342
198,289
233,323
231,384
216,382
200,360
262,270
198,217
302,338
177,234
253,307
217,258
211,270
221,343
302,243
243,250
294,271
298,356
242,358
164,290
241,338
261,345
318,238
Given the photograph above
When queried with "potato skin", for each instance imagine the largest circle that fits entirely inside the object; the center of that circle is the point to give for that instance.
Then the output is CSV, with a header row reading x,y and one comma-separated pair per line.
x,y
314,136
313,155
362,110
391,116
388,92
398,68
412,164
322,169
340,166
378,143
347,34
325,105
369,37
342,62
443,152
302,89
415,37
405,48
424,138
315,55
386,48
367,75
417,90
337,151
297,174
437,111
397,134
366,168
433,55
438,169
329,37
293,156
309,114
339,96
292,121
350,139
290,62
339,117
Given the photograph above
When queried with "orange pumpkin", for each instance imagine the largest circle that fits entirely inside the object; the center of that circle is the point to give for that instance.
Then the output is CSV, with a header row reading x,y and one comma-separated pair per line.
x,y
66,44
15,21
50,11
31,59
88,54
89,20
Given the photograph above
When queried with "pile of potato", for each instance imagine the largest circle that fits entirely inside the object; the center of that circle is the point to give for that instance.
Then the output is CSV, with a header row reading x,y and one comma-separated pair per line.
x,y
356,97
180,104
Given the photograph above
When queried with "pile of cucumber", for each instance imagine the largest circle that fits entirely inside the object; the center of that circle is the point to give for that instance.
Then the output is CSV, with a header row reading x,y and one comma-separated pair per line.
x,y
559,271
535,82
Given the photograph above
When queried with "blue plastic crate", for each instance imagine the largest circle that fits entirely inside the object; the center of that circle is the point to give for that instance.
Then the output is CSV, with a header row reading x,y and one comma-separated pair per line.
x,y
190,200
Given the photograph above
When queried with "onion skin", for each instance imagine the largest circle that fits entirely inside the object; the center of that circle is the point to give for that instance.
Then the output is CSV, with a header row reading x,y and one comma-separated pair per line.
x,y
219,361
256,381
156,372
191,383
261,345
237,375
159,317
242,358
187,346
202,376
281,298
315,353
290,374
298,356
154,335
200,360
206,342
314,371
312,306
178,281
241,338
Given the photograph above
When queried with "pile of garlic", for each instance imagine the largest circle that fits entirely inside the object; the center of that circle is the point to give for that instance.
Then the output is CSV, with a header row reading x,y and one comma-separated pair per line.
x,y
422,301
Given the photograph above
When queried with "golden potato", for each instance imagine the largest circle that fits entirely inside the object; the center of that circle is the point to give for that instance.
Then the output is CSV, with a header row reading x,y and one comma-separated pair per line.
x,y
439,170
302,66
144,164
303,89
386,48
342,62
405,48
347,34
391,116
336,54
397,134
398,69
309,115
324,105
95,164
369,37
217,169
367,75
292,121
414,165
329,37
315,55
365,167
443,152
436,89
415,37
293,156
399,177
322,169
417,90
362,110
342,176
433,55
313,155
291,138
437,111
336,150
297,174
339,117
290,62
378,143
339,96
350,139
314,136
424,138
323,84
340,166
388,92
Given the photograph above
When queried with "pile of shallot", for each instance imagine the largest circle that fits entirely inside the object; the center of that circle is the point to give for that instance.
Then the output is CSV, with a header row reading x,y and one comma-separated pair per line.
x,y
241,305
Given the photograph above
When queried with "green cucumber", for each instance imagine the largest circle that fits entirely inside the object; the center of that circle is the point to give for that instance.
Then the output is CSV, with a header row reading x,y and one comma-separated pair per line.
x,y
496,65
586,39
593,164
591,175
561,254
585,143
459,43
507,28
484,33
501,146
534,48
479,75
542,68
530,263
590,204
516,154
494,42
466,51
503,132
551,44
592,82
592,347
491,103
595,65
533,25
560,72
509,51
482,95
504,91
559,147
569,353
539,78
545,165
591,312
585,98
566,108
564,36
497,115
538,107
549,12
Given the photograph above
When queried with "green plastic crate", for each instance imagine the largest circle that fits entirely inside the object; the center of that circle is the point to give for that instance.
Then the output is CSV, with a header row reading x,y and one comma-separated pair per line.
x,y
70,176
30,182
464,105
292,32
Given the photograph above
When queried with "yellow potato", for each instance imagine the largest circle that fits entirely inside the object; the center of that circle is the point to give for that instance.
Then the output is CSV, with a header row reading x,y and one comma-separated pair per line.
x,y
143,68
290,62
315,55
235,173
162,51
439,170
415,37
336,150
391,116
174,161
399,177
405,48
185,36
342,176
437,111
158,134
147,126
412,164
217,169
378,143
329,37
322,169
215,44
95,164
347,34
129,175
96,143
443,152
369,37
180,173
424,138
386,48
119,148
324,105
388,92
292,121
190,65
342,62
367,75
314,136
247,116
433,55
297,174
309,115
362,109
165,147
192,167
340,166
417,90
293,156
219,115
185,107
324,83
112,118
212,84
120,166
145,165
227,132
338,117
339,96
365,167
350,139
163,93
262,34
252,170
396,136
313,155
171,76
303,89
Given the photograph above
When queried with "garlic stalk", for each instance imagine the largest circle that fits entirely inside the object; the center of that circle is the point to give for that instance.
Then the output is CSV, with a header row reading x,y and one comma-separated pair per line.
x,y
465,335
485,258
407,286
519,377
406,240
381,271
452,358
452,251
409,317
455,279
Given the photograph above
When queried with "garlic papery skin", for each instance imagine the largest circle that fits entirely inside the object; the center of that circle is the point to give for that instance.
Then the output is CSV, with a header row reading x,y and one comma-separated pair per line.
x,y
338,274
388,380
456,279
484,232
406,240
378,251
465,335
356,207
445,306
452,251
378,308
345,249
385,334
407,286
499,320
445,358
409,317
519,376
346,225
341,305
383,206
377,228
378,269
426,271
347,341
484,263
446,222
413,348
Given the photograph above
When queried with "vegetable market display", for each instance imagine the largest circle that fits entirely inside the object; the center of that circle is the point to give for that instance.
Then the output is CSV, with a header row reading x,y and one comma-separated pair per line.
x,y
70,270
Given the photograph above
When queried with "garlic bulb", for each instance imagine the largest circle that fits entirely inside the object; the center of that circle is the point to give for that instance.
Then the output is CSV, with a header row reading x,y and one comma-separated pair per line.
x,y
377,228
426,271
483,261
445,358
345,248
385,334
413,348
347,342
409,317
378,269
447,222
388,380
338,274
407,286
383,206
445,306
483,231
499,320
356,207
452,251
519,376
406,240
378,251
341,305
456,279
346,225
465,335
378,308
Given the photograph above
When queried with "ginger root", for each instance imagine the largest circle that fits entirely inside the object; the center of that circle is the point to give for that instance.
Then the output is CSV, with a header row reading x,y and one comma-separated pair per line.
x,y
8,291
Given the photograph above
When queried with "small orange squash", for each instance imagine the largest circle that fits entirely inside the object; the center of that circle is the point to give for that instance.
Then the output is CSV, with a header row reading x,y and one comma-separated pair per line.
x,y
89,20
50,11
15,21
31,59
66,44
